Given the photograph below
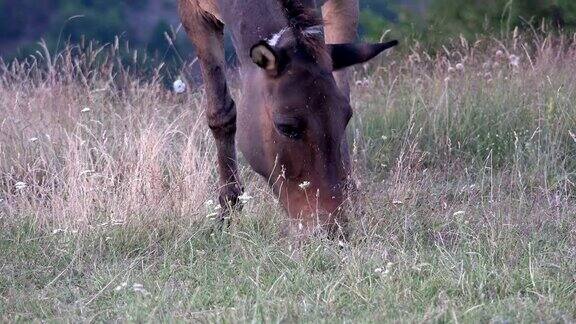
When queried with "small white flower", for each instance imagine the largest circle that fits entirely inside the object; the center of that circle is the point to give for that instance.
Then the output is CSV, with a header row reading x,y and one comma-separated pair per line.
x,y
139,288
179,86
209,202
85,110
447,79
499,53
460,67
458,213
514,60
384,271
211,215
33,139
20,185
388,267
304,185
121,286
451,69
397,202
245,197
117,222
58,231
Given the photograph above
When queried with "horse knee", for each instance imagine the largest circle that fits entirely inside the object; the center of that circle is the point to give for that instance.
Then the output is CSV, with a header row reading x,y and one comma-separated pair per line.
x,y
222,118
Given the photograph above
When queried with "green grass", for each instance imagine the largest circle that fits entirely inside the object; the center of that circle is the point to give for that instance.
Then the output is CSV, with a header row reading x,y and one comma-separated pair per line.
x,y
409,268
467,210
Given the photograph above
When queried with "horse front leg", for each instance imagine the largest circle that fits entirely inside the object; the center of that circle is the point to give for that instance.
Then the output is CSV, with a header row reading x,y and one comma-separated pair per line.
x,y
207,34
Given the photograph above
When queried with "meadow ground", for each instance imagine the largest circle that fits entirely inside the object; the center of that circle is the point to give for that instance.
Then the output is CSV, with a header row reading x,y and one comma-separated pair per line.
x,y
466,161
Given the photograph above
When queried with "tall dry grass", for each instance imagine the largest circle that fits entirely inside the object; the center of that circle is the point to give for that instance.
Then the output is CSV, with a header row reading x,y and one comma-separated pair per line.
x,y
87,140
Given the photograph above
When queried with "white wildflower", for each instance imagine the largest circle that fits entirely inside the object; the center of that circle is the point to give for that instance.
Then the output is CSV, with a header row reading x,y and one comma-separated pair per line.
x,y
139,288
460,67
447,79
397,202
85,110
514,60
388,267
58,231
451,69
245,197
304,185
209,203
499,53
20,185
33,139
179,86
121,286
384,271
459,213
118,222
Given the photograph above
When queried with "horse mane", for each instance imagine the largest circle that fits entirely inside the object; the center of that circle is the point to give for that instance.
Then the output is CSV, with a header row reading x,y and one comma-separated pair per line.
x,y
301,19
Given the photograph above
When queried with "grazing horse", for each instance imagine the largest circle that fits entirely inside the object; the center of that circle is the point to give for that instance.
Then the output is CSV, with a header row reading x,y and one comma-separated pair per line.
x,y
291,120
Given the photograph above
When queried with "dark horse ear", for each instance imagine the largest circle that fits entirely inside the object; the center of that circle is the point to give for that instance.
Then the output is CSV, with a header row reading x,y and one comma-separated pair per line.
x,y
345,55
267,58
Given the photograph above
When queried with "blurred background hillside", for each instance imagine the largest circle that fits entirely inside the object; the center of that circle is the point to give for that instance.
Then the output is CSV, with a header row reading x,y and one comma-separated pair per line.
x,y
147,24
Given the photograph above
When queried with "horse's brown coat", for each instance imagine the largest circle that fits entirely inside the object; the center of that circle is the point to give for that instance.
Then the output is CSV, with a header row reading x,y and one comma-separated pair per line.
x,y
293,113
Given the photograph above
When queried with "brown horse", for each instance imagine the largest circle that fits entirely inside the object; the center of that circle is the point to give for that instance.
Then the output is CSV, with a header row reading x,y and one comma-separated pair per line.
x,y
291,120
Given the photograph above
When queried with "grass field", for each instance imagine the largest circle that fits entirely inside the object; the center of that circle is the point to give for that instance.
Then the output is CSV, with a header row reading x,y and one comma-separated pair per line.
x,y
466,161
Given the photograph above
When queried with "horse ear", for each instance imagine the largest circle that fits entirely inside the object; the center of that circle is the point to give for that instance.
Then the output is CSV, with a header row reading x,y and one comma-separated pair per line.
x,y
266,57
345,55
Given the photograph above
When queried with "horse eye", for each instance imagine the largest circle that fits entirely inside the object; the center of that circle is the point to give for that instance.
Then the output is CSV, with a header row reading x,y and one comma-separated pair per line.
x,y
290,131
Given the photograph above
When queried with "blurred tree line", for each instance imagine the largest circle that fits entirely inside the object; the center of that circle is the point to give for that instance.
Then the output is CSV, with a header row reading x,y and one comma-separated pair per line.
x,y
24,22
442,19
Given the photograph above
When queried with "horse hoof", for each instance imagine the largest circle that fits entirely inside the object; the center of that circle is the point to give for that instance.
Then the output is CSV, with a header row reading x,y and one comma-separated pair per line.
x,y
229,202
